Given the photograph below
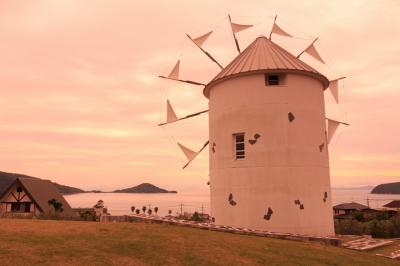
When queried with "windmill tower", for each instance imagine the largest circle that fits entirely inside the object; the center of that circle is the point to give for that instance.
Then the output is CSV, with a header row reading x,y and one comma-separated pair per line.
x,y
267,121
268,156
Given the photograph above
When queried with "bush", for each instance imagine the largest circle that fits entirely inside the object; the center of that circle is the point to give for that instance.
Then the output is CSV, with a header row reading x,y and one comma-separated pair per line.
x,y
382,216
350,227
379,228
195,217
87,215
359,216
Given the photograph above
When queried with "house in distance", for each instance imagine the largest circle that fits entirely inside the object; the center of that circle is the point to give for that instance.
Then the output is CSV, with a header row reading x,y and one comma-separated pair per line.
x,y
33,197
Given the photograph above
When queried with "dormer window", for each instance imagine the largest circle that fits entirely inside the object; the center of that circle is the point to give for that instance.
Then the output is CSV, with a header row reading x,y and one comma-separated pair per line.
x,y
274,79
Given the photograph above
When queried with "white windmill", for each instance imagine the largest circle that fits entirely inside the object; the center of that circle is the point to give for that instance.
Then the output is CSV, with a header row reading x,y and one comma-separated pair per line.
x,y
268,136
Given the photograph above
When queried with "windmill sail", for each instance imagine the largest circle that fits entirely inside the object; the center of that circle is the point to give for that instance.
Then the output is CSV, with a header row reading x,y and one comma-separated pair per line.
x,y
171,116
332,127
174,75
237,28
278,30
333,88
201,39
191,155
178,119
312,51
175,71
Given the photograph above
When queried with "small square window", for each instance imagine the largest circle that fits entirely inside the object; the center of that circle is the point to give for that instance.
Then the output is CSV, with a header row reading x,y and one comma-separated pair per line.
x,y
274,79
239,146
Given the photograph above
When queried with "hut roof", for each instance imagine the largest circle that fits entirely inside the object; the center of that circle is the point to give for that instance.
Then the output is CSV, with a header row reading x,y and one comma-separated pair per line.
x,y
393,204
41,191
350,206
263,55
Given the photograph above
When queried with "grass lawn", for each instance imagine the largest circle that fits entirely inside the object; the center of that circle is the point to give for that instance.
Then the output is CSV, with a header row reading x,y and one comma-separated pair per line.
x,y
34,242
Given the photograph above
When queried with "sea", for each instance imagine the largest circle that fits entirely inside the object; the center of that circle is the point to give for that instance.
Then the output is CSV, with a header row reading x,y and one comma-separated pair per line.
x,y
121,203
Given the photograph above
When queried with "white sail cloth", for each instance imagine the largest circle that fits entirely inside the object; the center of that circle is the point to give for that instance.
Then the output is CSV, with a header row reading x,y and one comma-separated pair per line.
x,y
171,116
199,41
334,88
278,30
175,71
311,50
332,127
239,27
190,155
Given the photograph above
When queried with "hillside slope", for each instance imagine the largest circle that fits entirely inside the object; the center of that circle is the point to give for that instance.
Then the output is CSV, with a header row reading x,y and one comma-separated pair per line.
x,y
46,242
388,188
7,178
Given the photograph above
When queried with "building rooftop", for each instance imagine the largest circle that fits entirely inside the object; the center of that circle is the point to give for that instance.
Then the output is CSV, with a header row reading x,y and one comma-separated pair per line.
x,y
263,55
393,204
41,191
350,206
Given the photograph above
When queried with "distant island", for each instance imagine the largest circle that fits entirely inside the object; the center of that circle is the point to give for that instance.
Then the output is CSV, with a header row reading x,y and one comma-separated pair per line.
x,y
143,188
388,188
7,178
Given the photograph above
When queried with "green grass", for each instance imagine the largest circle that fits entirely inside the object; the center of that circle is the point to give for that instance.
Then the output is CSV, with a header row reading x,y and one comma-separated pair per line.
x,y
38,242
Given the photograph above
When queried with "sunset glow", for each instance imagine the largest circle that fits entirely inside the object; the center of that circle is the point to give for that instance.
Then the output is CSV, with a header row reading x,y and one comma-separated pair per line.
x,y
80,97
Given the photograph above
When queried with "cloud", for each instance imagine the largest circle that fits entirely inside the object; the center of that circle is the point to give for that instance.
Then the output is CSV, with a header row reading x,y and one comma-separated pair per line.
x,y
81,99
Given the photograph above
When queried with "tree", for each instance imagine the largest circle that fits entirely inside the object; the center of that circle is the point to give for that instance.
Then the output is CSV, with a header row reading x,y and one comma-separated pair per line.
x,y
156,210
56,205
195,217
137,211
99,204
133,208
144,209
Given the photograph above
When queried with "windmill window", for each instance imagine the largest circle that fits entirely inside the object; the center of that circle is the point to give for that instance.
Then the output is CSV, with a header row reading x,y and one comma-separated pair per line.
x,y
239,146
274,79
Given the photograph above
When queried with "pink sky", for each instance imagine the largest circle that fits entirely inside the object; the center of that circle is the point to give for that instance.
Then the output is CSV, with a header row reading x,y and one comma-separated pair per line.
x,y
80,98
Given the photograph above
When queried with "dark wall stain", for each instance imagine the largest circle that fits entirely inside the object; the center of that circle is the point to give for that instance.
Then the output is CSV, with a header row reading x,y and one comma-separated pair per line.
x,y
230,200
268,215
291,117
254,141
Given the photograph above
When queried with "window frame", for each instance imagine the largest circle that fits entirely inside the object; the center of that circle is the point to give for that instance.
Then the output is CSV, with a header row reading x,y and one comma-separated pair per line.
x,y
280,79
20,207
239,154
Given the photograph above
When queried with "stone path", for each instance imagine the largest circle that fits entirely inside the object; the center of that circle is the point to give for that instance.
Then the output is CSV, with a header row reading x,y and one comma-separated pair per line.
x,y
392,255
366,243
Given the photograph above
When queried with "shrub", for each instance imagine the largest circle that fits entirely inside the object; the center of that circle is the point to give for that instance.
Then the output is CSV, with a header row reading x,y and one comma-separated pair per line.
x,y
359,216
382,216
195,217
87,215
350,227
379,228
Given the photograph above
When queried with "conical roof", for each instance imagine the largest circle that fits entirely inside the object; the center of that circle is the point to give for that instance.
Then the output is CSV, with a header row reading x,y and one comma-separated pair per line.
x,y
263,55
